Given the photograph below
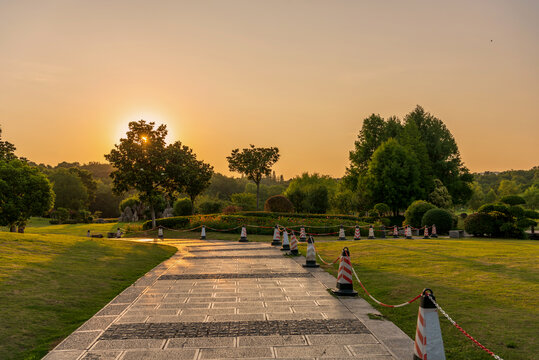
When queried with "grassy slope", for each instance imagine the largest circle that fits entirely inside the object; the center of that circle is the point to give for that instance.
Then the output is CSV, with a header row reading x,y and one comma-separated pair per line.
x,y
51,284
489,287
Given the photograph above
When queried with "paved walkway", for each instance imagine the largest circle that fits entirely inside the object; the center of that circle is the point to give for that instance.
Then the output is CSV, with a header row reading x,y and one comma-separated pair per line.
x,y
225,300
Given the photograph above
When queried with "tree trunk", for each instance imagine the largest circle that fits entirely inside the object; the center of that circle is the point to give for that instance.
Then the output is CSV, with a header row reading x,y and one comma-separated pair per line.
x,y
13,228
153,216
257,195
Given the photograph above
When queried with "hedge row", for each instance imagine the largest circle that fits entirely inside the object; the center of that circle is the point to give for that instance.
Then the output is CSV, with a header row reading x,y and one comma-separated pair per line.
x,y
276,215
223,222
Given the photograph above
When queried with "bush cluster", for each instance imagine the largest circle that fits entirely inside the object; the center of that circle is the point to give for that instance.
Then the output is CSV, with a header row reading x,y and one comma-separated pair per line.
x,y
442,218
414,214
279,203
183,207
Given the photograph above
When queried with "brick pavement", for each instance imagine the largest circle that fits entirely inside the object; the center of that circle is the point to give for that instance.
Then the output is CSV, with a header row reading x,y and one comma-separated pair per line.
x,y
225,300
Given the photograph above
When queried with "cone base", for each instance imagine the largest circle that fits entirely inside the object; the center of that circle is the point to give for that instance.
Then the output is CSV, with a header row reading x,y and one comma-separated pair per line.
x,y
341,239
340,292
395,236
310,264
357,238
294,252
434,236
275,243
202,238
371,237
409,237
426,237
243,240
285,248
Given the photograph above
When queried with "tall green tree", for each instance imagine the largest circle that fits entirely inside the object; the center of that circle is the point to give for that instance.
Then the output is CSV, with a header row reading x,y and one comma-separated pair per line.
x,y
24,192
140,163
254,163
393,176
69,189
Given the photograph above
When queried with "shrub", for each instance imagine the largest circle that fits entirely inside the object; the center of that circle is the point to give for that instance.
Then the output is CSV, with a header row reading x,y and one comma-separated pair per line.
x,y
516,211
246,201
443,219
414,214
479,224
278,203
231,209
513,200
382,209
210,206
525,223
396,220
177,222
488,208
532,214
132,202
183,207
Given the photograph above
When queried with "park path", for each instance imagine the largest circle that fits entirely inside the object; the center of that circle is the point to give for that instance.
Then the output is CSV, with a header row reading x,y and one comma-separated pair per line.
x,y
226,300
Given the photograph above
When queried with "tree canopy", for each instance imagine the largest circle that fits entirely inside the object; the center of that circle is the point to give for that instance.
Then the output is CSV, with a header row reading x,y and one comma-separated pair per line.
x,y
254,163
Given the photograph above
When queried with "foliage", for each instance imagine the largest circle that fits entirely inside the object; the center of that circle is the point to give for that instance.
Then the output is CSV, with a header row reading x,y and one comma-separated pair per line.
x,y
69,189
210,206
7,150
245,201
176,222
278,203
508,187
442,218
476,200
479,224
532,214
393,176
87,180
490,197
105,201
414,214
440,196
222,187
133,202
183,207
382,209
231,209
276,215
254,163
512,200
311,193
344,202
508,221
24,192
531,196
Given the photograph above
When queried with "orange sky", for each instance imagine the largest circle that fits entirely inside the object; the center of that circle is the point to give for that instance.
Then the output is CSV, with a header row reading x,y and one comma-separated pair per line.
x,y
300,75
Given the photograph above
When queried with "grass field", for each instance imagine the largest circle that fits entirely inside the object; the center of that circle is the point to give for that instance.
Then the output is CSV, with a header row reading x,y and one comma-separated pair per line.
x,y
51,284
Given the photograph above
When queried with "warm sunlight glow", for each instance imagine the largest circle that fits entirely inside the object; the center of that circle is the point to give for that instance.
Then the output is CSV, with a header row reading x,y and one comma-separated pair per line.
x,y
144,139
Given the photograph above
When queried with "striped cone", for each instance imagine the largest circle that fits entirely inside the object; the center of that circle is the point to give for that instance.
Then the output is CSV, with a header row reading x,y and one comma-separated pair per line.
x,y
428,335
357,233
118,233
408,232
286,242
302,235
293,244
395,231
311,254
433,231
345,285
160,232
371,232
342,236
243,236
426,233
382,232
276,236
203,233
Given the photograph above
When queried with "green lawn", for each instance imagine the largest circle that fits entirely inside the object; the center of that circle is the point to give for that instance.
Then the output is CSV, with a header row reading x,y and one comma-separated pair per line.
x,y
489,287
51,284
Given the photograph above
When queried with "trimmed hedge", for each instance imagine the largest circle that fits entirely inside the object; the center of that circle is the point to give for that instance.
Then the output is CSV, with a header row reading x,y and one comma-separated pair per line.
x,y
414,214
276,215
183,207
442,218
479,224
278,203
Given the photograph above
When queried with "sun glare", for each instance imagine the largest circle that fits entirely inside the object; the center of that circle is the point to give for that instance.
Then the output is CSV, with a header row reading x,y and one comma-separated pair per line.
x,y
123,125
144,138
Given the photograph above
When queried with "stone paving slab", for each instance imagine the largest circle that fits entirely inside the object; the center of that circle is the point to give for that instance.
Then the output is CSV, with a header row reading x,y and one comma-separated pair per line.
x,y
217,300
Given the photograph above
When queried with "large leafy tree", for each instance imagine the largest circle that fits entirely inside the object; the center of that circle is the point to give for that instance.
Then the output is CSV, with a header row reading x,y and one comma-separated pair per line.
x,y
24,192
311,193
69,189
255,163
140,162
393,176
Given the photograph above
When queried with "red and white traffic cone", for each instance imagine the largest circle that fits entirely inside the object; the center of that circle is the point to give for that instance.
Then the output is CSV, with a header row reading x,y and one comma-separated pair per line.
x,y
428,335
426,233
203,233
311,254
302,235
357,233
276,236
408,232
243,236
433,231
345,285
286,242
371,232
342,235
160,234
293,244
395,231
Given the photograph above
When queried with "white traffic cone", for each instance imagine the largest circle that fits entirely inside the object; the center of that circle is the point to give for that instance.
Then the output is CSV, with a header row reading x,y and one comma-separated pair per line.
x,y
311,254
243,236
160,232
428,335
357,233
286,242
433,231
293,244
395,231
276,236
203,233
302,235
118,233
345,285
408,232
426,233
342,235
371,232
